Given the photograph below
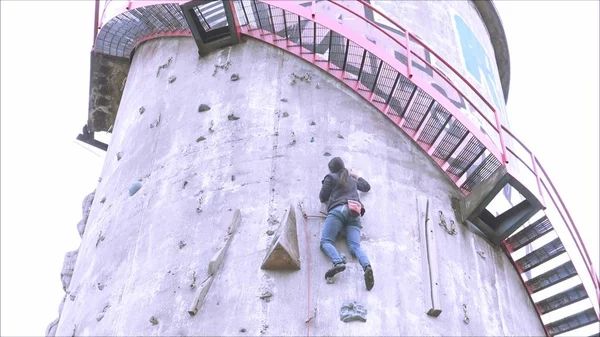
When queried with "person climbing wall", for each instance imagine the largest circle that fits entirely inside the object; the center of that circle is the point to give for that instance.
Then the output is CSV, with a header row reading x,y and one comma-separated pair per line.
x,y
339,191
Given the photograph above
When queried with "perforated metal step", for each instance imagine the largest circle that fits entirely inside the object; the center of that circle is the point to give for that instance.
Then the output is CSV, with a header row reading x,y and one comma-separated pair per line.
x,y
552,277
572,322
541,255
562,299
529,234
212,24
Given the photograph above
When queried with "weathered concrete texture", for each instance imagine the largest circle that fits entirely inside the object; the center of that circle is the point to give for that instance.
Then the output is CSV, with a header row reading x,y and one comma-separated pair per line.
x,y
148,273
107,79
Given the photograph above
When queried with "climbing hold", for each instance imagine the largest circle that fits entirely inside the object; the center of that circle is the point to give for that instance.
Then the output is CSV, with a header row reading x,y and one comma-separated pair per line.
x,y
264,328
217,259
235,77
293,138
193,285
482,254
100,316
312,316
352,311
99,179
318,86
100,238
164,66
266,296
199,208
141,110
242,330
102,200
233,117
201,138
153,320
212,124
100,286
172,79
340,136
182,244
312,123
185,184
327,154
312,139
156,122
285,114
283,99
232,178
199,300
270,232
284,252
119,155
203,107
72,297
68,268
134,188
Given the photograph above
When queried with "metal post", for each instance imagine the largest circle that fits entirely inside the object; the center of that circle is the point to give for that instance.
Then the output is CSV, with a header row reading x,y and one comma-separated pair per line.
x,y
345,57
387,101
245,14
538,179
300,33
272,22
285,28
329,53
501,136
362,64
257,14
314,40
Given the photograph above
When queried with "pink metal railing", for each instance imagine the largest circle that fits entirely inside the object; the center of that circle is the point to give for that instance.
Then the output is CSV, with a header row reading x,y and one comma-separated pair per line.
x,y
501,129
496,125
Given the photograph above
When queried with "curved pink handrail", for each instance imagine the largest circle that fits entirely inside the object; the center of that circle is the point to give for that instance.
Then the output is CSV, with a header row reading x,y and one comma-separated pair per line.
x,y
535,162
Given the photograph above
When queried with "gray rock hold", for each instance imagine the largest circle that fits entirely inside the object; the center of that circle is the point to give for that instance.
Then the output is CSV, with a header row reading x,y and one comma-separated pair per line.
x,y
134,188
172,79
352,311
203,107
285,114
201,138
68,267
327,154
142,110
119,155
235,77
233,117
100,317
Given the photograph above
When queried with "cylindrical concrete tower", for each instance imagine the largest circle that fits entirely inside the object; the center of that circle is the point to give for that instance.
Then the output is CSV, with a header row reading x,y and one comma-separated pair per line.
x,y
224,115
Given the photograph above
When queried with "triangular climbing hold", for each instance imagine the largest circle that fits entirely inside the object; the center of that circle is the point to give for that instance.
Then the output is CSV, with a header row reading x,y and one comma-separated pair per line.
x,y
284,252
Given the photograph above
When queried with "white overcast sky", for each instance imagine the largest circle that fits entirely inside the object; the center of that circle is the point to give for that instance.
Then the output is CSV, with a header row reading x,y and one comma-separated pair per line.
x,y
45,46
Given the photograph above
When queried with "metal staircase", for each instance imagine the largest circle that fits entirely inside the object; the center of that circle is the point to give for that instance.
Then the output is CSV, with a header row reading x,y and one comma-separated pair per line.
x,y
481,160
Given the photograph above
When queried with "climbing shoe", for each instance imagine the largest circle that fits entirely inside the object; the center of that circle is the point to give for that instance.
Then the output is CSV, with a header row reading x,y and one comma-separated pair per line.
x,y
338,268
369,279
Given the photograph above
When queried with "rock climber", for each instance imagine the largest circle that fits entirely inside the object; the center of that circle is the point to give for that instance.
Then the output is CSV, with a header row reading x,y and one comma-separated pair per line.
x,y
339,191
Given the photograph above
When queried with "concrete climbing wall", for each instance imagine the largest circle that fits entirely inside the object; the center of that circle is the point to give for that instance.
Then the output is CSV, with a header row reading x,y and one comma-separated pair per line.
x,y
262,148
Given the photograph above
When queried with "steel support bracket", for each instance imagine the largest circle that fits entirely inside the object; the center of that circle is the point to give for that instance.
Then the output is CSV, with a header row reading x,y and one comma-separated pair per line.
x,y
498,228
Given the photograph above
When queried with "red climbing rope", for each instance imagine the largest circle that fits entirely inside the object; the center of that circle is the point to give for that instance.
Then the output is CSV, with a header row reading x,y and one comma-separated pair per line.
x,y
308,317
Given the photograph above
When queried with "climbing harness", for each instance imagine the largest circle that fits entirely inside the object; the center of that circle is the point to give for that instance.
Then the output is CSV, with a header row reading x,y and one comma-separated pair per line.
x,y
452,230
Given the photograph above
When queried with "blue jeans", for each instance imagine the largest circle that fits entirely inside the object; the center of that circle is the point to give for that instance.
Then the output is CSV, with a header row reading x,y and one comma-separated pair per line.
x,y
338,218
